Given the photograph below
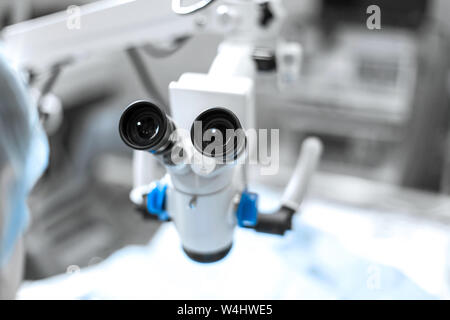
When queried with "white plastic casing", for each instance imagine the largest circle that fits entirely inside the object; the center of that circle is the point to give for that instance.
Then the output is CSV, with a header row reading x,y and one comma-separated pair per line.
x,y
194,93
204,223
202,208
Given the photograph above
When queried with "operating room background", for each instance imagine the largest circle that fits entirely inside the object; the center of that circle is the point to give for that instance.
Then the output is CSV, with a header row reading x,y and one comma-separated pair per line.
x,y
80,209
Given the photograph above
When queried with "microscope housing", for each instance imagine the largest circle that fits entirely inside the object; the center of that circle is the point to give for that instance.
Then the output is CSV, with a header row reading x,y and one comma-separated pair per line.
x,y
199,194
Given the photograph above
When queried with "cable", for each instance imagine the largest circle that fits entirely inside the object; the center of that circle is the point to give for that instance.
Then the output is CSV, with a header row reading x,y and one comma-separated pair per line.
x,y
145,77
157,52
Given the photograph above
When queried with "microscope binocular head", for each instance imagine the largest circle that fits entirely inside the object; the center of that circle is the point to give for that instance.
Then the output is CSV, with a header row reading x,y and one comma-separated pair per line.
x,y
200,187
216,133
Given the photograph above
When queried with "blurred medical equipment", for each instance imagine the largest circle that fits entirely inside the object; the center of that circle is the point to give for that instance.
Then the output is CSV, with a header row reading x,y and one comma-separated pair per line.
x,y
23,158
204,193
376,98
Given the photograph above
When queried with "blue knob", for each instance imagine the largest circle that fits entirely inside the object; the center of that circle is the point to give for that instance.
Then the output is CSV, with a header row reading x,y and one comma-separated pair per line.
x,y
156,201
247,212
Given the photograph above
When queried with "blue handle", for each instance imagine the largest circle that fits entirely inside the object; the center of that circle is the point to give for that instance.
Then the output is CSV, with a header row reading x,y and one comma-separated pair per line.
x,y
156,201
247,212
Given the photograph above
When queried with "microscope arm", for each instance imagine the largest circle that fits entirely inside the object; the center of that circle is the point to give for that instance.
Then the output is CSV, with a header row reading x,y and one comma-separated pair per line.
x,y
280,222
98,27
108,25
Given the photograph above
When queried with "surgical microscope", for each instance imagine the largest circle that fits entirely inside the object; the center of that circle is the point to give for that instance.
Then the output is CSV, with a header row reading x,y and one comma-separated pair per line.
x,y
204,191
204,144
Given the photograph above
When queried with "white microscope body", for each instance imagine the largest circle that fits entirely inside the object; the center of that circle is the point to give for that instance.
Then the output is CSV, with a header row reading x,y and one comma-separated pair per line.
x,y
203,208
205,191
205,219
201,190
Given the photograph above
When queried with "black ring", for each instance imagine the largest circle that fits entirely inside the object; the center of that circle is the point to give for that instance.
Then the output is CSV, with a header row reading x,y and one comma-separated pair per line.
x,y
208,257
133,112
219,118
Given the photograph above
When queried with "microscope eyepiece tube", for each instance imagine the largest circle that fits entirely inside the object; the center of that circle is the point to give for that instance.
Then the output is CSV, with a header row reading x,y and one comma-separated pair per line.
x,y
217,133
144,126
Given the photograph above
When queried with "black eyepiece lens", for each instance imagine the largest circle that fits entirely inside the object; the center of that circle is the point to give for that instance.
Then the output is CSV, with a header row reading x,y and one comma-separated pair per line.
x,y
143,126
219,126
218,122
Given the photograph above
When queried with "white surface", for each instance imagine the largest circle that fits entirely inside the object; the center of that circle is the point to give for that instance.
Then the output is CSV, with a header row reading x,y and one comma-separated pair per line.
x,y
333,252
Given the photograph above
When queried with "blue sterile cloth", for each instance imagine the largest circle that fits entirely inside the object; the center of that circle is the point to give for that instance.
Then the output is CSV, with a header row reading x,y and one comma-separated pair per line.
x,y
306,263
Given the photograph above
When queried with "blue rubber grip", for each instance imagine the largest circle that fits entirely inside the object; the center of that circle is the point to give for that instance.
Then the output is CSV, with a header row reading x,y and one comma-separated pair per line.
x,y
247,212
156,201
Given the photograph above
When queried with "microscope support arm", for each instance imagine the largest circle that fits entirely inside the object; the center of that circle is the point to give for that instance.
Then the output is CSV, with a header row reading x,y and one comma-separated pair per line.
x,y
108,25
98,27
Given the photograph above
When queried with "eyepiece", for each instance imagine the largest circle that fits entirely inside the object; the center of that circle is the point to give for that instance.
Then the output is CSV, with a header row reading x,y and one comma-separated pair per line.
x,y
144,126
218,133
